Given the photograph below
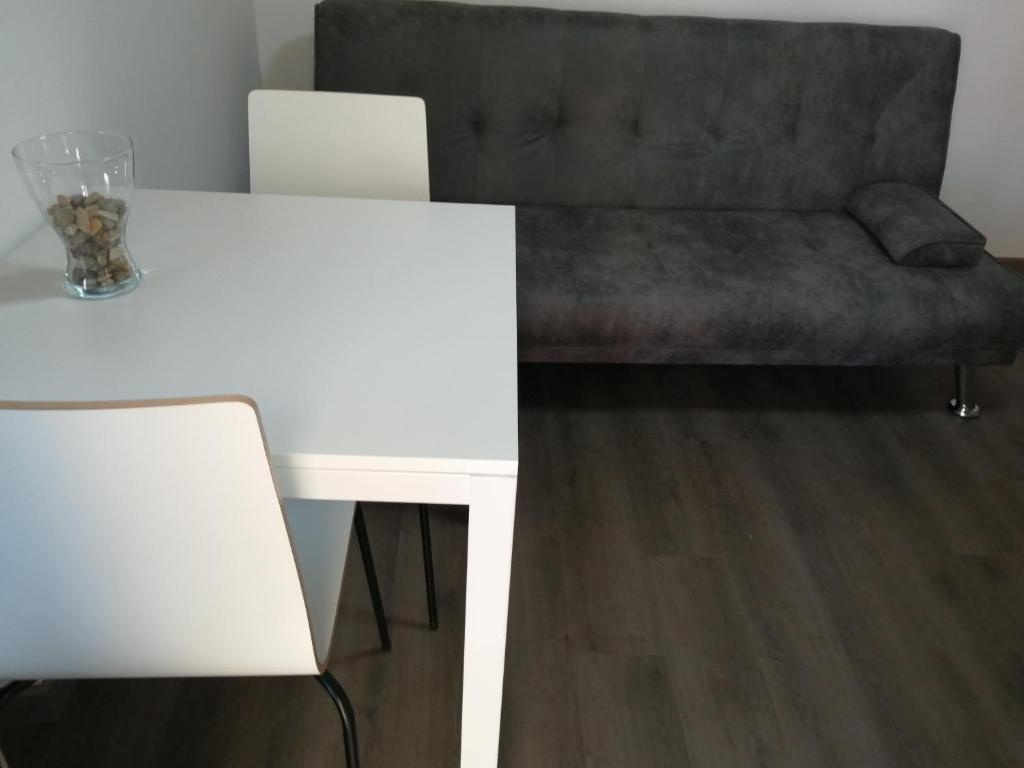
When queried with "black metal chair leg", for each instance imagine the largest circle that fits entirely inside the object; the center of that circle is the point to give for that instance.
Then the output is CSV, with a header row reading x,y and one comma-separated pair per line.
x,y
428,565
12,689
348,716
371,578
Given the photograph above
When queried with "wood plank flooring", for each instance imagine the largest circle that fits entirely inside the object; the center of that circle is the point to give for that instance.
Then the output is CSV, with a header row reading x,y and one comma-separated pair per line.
x,y
713,567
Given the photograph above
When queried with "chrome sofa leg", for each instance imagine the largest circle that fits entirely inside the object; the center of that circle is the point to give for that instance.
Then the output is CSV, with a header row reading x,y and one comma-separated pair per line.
x,y
964,405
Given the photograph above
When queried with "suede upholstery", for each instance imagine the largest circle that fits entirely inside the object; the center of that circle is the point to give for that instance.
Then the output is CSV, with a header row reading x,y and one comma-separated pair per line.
x,y
747,287
542,107
916,229
680,182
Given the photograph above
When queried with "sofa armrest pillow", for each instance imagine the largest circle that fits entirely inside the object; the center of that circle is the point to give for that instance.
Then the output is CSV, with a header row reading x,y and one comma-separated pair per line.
x,y
915,227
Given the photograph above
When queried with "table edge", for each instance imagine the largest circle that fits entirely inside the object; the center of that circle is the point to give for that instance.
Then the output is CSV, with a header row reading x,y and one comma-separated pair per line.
x,y
433,466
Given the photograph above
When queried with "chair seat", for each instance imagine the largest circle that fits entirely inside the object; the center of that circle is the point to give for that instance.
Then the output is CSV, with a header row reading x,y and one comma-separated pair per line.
x,y
643,285
320,532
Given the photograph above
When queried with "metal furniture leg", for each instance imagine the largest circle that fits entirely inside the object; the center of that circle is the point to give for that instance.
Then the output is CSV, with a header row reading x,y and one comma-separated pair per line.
x,y
428,565
371,578
347,714
964,404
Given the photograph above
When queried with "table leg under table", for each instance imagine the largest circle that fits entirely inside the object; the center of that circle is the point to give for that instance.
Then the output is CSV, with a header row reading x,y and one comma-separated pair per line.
x,y
492,504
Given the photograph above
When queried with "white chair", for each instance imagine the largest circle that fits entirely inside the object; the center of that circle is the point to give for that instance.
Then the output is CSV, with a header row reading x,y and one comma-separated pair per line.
x,y
338,145
327,144
148,540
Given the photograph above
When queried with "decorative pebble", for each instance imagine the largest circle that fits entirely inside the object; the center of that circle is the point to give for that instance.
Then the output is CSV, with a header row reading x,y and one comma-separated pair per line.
x,y
91,226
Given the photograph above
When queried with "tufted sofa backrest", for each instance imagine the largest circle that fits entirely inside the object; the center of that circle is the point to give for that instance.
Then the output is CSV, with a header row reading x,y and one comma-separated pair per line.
x,y
545,107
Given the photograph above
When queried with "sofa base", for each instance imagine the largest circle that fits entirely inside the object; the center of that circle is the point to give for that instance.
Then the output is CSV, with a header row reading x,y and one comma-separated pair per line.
x,y
696,356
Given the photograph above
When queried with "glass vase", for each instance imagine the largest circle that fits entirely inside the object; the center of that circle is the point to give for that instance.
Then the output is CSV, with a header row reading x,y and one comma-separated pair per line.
x,y
82,182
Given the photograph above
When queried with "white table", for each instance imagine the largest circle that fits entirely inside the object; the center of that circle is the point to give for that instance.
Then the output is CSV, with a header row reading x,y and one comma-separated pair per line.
x,y
379,339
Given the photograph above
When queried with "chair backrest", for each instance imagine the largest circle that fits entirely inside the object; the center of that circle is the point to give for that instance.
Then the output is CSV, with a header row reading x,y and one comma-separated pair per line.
x,y
338,145
144,540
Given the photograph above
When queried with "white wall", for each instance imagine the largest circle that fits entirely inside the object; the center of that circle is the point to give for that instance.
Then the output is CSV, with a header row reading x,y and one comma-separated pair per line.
x,y
985,174
172,74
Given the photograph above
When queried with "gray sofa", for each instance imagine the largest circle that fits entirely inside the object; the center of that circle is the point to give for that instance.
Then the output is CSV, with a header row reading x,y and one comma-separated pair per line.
x,y
685,187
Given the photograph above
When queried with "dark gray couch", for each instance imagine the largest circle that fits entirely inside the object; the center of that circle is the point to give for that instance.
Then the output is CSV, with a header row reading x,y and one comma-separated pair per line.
x,y
680,183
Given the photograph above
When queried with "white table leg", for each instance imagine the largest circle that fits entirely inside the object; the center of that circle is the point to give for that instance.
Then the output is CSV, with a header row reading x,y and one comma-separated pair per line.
x,y
492,509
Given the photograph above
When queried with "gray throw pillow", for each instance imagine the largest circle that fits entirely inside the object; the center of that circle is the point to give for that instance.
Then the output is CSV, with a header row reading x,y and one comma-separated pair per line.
x,y
915,227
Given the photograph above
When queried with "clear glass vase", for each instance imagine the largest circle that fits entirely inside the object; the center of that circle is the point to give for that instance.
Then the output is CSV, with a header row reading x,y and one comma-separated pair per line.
x,y
82,181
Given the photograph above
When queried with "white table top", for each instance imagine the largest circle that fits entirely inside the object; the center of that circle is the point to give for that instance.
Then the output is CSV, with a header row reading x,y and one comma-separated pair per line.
x,y
372,334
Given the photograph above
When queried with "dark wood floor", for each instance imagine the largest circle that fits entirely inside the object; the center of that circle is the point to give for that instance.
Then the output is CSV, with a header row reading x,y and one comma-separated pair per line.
x,y
713,567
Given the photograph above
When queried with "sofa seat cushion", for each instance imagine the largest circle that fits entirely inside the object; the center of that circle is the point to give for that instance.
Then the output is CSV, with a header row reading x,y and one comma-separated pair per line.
x,y
649,285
